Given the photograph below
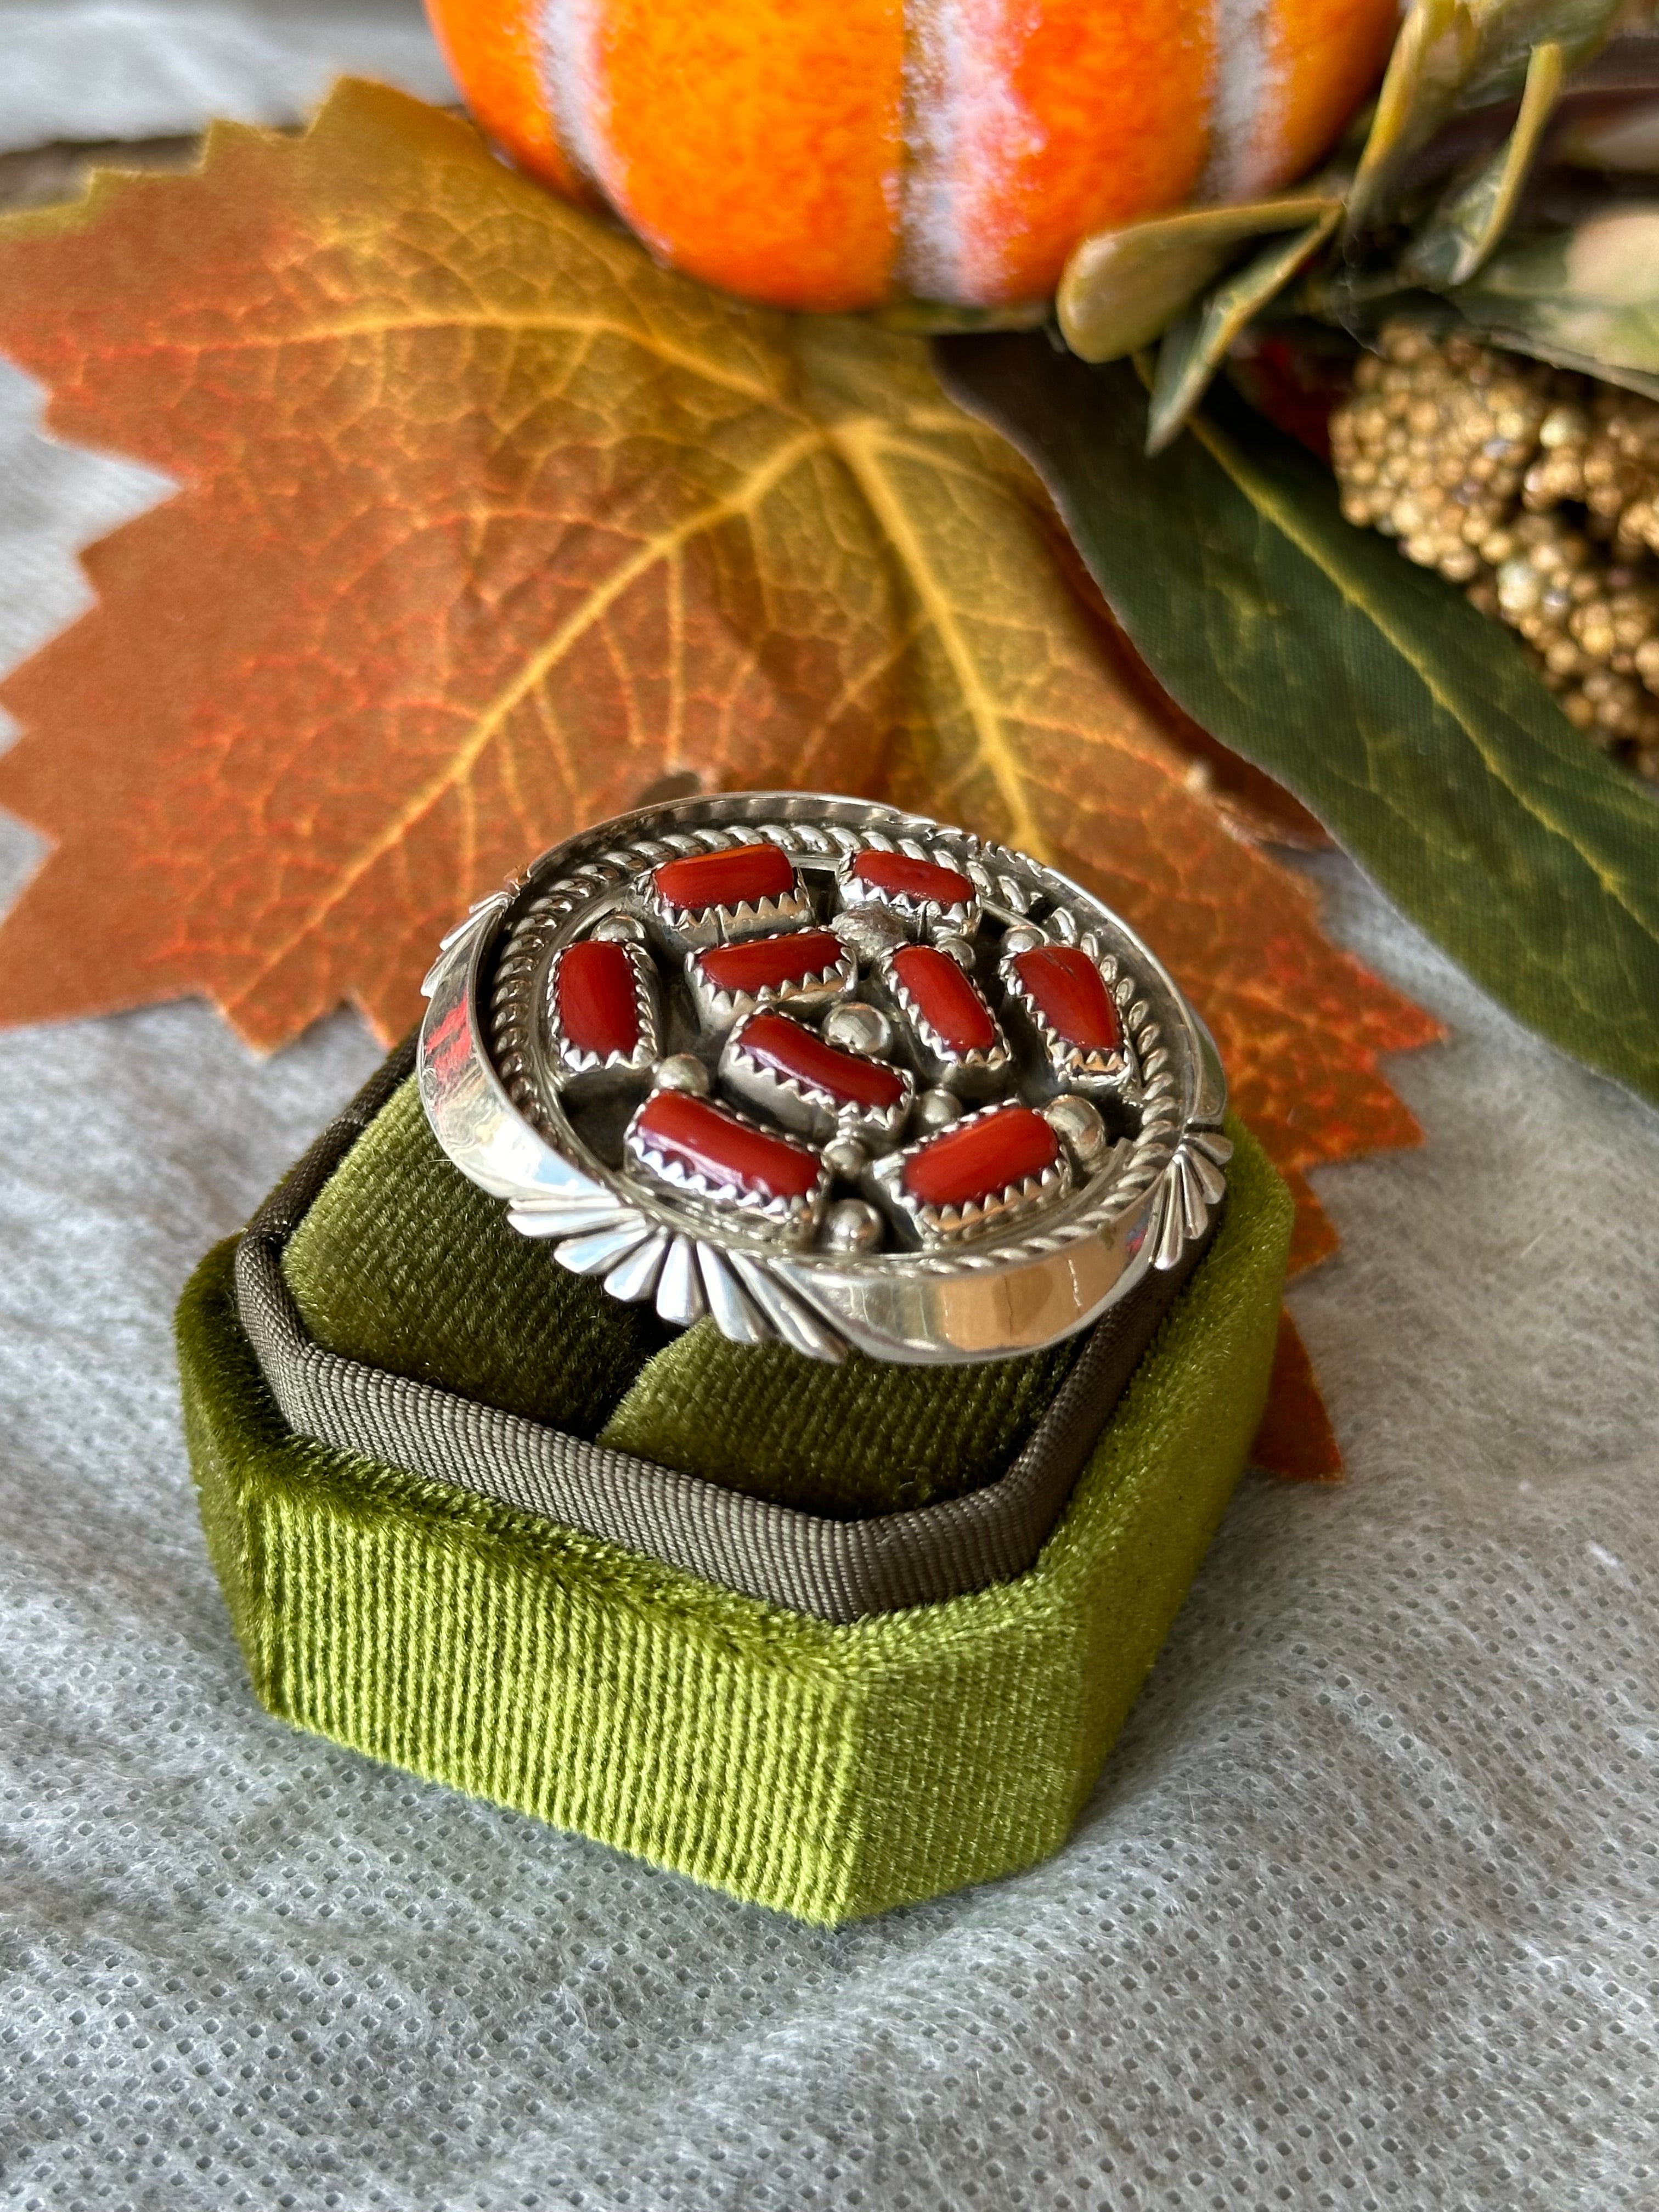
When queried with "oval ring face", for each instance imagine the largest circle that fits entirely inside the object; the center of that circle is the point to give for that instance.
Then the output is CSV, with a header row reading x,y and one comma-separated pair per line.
x,y
827,1073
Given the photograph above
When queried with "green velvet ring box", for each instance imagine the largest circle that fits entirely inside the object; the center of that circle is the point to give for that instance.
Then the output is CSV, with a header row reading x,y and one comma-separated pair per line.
x,y
695,1673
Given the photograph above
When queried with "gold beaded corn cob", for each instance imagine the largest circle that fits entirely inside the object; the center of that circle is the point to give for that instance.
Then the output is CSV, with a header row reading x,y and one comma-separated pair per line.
x,y
1536,490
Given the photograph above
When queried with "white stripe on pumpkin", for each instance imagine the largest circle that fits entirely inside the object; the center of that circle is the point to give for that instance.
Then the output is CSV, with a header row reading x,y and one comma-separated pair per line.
x,y
578,95
1247,101
967,133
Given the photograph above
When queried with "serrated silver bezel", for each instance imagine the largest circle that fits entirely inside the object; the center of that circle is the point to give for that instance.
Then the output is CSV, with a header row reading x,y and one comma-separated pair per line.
x,y
960,918
694,929
720,1008
1076,1063
796,1218
954,1224
571,1060
803,1106
975,1070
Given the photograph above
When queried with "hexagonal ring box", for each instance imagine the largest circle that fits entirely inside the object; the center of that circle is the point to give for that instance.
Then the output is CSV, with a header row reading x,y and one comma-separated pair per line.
x,y
753,1382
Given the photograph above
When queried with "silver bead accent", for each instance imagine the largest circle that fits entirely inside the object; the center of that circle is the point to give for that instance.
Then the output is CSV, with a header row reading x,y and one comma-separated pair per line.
x,y
682,1071
957,949
1076,1121
868,931
845,1156
851,1225
858,1028
937,1110
619,929
1022,937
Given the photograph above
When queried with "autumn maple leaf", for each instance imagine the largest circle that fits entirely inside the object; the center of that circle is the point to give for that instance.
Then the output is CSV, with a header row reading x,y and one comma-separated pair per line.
x,y
487,527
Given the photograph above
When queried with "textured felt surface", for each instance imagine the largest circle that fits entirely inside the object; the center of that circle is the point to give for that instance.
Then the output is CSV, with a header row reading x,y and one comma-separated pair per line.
x,y
405,1264
1362,1913
829,1772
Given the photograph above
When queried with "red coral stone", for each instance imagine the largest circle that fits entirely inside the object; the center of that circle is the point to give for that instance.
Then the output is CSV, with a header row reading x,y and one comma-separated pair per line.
x,y
1069,993
787,1048
946,998
594,990
897,873
763,964
706,1140
741,875
981,1158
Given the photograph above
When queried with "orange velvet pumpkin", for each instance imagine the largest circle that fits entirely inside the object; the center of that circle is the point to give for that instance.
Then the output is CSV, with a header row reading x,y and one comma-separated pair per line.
x,y
836,153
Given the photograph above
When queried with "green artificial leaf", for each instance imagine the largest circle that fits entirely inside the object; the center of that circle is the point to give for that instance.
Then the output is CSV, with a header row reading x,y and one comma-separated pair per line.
x,y
1455,55
1585,298
1431,57
1506,31
1123,288
1465,229
1407,721
1192,351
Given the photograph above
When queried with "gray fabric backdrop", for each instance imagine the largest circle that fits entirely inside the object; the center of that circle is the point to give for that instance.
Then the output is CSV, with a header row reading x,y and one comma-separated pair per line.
x,y
1362,1915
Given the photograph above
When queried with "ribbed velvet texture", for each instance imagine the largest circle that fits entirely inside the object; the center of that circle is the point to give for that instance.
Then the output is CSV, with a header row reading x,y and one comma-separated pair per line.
x,y
404,1264
829,1772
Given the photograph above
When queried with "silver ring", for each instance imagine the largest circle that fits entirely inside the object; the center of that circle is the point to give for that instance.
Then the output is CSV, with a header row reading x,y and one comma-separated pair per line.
x,y
827,1073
